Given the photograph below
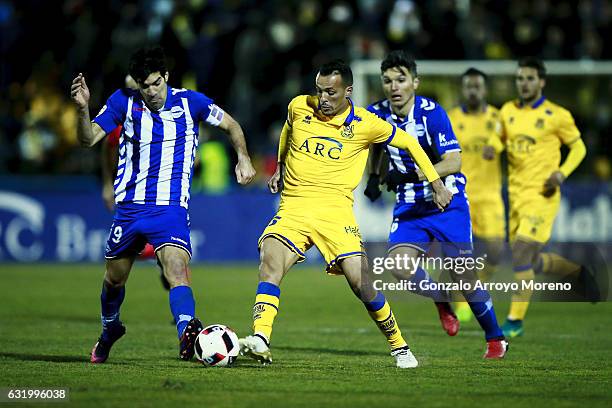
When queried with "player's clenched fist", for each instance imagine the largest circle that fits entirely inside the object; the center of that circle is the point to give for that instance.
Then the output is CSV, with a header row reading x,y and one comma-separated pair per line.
x,y
441,195
79,92
244,171
552,183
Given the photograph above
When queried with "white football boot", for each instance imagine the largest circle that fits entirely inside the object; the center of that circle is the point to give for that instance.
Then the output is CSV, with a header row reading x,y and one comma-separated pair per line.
x,y
404,358
256,348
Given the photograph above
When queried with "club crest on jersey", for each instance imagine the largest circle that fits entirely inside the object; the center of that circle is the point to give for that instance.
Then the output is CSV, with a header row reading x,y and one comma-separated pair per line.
x,y
427,105
177,112
539,123
322,146
347,131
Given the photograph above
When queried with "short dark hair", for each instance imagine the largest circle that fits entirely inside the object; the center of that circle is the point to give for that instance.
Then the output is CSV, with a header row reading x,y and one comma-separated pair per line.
x,y
396,59
338,66
535,63
474,72
146,61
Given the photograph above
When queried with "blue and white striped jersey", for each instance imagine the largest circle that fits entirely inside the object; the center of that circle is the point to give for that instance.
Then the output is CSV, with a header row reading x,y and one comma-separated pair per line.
x,y
429,122
156,149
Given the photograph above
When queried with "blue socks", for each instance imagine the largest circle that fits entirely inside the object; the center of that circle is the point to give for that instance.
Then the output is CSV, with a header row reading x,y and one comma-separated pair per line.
x,y
182,306
377,303
421,276
482,306
111,299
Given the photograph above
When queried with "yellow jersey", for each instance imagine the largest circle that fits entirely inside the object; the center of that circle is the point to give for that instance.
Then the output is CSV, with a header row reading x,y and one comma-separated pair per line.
x,y
533,136
324,157
474,130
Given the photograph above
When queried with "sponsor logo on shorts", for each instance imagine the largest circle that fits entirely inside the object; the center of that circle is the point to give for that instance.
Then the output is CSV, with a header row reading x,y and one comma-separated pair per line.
x,y
352,230
179,240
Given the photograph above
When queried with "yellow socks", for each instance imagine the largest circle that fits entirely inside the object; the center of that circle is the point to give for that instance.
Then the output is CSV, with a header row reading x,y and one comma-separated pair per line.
x,y
265,308
520,299
381,313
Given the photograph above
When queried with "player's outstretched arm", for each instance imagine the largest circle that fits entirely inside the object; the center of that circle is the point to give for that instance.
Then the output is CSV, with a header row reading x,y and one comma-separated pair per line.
x,y
441,195
450,164
88,133
244,168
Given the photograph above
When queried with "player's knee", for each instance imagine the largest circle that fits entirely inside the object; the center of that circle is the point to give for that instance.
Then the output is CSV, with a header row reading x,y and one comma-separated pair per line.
x,y
270,269
494,259
494,253
176,271
462,274
519,252
523,254
353,271
115,278
403,272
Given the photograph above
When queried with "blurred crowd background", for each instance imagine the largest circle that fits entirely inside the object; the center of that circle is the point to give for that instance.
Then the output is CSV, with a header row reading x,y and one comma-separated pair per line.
x,y
253,56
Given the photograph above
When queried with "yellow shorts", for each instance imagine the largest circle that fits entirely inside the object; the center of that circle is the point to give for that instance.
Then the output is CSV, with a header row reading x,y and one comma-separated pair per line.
x,y
488,218
532,217
332,229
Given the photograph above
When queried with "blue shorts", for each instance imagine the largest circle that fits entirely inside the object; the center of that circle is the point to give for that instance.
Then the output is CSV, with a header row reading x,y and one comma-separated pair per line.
x,y
136,224
452,228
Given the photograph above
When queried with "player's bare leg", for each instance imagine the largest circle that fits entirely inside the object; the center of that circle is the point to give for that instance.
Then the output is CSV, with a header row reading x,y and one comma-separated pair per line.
x,y
524,255
175,264
585,277
275,261
355,270
113,293
448,319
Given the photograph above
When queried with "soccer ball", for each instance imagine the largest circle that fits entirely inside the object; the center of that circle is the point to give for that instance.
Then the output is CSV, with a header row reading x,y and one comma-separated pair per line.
x,y
216,346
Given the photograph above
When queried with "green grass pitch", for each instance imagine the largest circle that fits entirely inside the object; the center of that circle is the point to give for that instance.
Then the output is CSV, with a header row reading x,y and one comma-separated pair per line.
x,y
326,350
